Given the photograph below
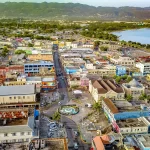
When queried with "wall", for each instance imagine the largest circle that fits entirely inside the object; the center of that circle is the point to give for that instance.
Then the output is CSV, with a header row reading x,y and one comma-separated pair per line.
x,y
18,137
17,99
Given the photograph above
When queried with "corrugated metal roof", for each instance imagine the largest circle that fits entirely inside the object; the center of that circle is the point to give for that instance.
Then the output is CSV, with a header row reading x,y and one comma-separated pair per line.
x,y
111,105
17,90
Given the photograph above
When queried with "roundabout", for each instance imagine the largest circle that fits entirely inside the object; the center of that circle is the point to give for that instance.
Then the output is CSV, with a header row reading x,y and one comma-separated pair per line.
x,y
69,110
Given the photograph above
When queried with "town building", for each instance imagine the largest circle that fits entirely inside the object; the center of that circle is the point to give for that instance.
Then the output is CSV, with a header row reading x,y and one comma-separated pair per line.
x,y
34,67
72,69
120,70
123,61
123,110
142,141
11,69
134,88
49,83
106,89
44,57
17,94
132,126
107,70
144,67
17,126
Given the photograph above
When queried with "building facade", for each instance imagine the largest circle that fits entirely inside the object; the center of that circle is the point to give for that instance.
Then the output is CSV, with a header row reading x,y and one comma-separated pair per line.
x,y
45,57
144,67
134,88
34,67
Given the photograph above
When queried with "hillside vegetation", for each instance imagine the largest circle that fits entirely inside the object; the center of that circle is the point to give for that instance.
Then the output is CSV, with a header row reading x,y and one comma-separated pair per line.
x,y
71,11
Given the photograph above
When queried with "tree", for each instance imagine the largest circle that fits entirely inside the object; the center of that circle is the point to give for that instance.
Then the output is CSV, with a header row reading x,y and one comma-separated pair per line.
x,y
4,52
104,48
118,79
129,78
128,97
20,52
30,45
143,96
56,116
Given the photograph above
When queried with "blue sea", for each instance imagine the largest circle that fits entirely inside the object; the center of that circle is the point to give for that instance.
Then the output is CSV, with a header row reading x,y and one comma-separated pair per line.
x,y
138,35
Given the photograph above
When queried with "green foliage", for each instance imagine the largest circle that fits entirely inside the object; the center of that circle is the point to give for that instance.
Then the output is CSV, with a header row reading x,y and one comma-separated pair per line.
x,y
20,52
97,106
4,52
128,97
30,45
129,78
118,79
56,116
143,96
103,48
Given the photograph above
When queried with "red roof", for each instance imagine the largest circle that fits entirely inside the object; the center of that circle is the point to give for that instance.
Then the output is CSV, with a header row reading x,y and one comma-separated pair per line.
x,y
98,143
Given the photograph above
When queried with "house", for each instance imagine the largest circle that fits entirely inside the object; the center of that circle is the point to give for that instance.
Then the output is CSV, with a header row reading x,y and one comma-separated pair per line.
x,y
144,67
74,44
89,65
11,69
134,88
34,67
120,70
72,69
17,126
84,81
106,89
132,126
17,94
106,141
107,70
121,111
49,83
74,81
142,141
44,57
123,61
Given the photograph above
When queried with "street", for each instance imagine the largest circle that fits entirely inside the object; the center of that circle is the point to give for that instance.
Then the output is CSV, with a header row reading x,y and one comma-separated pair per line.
x,y
62,90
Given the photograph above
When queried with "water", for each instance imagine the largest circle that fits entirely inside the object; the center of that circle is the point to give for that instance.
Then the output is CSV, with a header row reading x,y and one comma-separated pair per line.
x,y
140,35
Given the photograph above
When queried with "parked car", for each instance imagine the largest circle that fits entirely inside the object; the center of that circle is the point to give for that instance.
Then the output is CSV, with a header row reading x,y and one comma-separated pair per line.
x,y
88,105
75,146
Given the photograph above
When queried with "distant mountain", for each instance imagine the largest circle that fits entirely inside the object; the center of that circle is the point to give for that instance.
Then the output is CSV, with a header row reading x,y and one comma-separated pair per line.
x,y
71,11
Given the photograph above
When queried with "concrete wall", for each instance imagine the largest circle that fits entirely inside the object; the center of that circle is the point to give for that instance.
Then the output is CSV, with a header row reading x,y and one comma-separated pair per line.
x,y
17,99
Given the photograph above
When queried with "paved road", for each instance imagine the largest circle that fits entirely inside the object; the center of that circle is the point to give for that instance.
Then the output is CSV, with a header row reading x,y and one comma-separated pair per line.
x,y
62,89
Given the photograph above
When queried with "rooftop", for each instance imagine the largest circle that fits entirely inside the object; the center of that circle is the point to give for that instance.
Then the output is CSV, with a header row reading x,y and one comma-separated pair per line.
x,y
130,123
17,90
54,144
144,139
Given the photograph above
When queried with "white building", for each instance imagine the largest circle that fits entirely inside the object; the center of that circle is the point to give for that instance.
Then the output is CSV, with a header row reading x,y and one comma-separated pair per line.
x,y
17,126
144,67
134,88
123,60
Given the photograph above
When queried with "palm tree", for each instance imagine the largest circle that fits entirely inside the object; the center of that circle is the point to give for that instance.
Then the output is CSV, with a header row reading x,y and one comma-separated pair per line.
x,y
56,116
143,96
129,97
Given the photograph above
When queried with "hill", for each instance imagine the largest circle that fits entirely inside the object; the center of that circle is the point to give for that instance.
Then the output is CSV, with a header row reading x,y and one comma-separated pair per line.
x,y
71,11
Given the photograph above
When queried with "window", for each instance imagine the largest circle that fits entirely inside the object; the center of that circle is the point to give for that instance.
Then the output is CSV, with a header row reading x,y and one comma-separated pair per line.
x,y
14,97
22,133
5,134
13,134
18,97
23,97
10,97
29,133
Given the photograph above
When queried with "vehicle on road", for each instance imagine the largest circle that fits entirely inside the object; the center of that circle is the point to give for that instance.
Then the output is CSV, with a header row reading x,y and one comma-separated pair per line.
x,y
88,105
76,146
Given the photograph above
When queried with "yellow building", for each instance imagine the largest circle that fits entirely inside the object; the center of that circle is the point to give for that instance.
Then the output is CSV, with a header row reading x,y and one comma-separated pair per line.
x,y
13,83
128,147
148,77
46,57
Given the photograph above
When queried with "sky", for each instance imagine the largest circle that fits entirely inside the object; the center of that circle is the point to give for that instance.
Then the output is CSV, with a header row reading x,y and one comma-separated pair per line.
x,y
113,3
